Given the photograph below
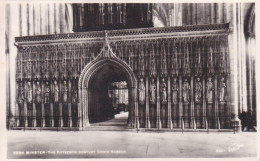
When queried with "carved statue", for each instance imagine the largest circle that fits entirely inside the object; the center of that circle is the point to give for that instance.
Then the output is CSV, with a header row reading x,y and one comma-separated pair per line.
x,y
163,89
56,92
186,91
20,94
29,93
152,92
38,92
222,90
141,91
65,92
198,90
47,93
175,89
210,89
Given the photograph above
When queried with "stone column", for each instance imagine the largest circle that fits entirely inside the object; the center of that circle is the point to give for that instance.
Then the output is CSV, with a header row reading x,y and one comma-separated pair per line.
x,y
43,115
147,103
169,124
33,107
85,107
219,13
136,107
217,124
234,69
62,18
194,13
51,20
178,14
250,73
42,106
69,112
80,121
60,115
25,115
180,102
51,115
17,115
212,13
204,120
192,121
158,120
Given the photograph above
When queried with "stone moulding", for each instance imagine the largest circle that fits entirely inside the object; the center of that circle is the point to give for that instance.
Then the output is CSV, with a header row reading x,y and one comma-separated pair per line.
x,y
127,34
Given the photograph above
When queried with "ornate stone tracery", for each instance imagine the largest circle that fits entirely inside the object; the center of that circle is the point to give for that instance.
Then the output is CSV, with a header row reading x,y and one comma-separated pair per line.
x,y
172,68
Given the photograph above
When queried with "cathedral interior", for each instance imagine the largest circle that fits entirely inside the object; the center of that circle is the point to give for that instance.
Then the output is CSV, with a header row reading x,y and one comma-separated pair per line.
x,y
178,65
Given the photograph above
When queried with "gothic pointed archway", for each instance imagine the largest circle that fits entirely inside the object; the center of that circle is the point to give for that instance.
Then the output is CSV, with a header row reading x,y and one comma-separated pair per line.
x,y
105,68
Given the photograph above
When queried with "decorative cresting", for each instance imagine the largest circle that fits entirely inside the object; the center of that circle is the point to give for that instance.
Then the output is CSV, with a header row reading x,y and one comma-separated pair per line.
x,y
106,57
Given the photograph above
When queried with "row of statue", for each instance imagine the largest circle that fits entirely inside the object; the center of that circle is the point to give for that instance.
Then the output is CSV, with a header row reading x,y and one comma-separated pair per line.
x,y
186,91
44,93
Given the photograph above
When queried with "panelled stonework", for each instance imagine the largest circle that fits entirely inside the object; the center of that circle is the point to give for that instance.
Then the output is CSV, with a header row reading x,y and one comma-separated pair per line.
x,y
178,77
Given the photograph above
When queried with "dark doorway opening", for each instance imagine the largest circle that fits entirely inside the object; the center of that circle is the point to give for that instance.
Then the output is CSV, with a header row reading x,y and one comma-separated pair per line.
x,y
108,97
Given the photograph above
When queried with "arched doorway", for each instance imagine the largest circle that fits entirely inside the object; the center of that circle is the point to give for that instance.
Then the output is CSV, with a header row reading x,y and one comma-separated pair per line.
x,y
105,96
94,82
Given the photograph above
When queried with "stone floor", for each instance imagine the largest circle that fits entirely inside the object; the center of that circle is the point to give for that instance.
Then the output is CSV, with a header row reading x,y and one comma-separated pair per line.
x,y
126,144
